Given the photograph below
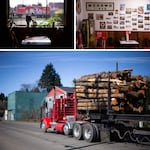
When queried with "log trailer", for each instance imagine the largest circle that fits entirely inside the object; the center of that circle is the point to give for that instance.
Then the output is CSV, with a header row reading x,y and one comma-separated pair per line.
x,y
104,107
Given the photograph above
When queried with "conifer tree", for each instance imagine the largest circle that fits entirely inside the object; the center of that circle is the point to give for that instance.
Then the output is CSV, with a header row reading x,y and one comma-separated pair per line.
x,y
49,78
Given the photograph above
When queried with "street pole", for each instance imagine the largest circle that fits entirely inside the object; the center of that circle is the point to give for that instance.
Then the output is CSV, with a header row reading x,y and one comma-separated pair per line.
x,y
109,95
46,7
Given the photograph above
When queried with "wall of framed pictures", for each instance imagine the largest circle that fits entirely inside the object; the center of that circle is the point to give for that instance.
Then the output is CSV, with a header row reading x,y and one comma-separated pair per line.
x,y
116,15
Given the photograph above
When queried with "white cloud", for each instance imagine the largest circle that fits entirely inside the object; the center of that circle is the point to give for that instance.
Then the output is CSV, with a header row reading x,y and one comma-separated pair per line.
x,y
11,66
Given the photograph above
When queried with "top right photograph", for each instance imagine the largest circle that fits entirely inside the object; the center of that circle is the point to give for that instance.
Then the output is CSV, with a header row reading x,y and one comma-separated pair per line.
x,y
112,24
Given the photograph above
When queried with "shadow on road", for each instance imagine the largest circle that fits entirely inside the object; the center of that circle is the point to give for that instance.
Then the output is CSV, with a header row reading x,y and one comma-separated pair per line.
x,y
89,145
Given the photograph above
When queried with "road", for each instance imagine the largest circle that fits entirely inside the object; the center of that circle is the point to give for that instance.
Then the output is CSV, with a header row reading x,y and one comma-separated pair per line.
x,y
28,136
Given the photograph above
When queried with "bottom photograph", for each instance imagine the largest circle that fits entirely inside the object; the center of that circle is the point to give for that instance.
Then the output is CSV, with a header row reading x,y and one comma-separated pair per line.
x,y
75,100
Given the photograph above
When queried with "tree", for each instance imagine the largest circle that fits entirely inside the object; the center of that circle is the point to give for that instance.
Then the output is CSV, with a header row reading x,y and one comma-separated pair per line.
x,y
30,87
148,92
25,87
3,104
35,89
57,18
49,78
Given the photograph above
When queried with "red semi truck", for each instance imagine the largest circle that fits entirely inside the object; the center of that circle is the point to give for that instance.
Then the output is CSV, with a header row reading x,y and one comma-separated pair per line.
x,y
91,119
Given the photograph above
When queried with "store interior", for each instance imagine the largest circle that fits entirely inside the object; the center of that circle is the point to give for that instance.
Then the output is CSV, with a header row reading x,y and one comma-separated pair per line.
x,y
112,24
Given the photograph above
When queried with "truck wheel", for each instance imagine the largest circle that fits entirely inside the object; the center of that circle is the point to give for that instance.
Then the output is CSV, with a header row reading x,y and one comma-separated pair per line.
x,y
43,126
89,132
77,131
97,132
67,131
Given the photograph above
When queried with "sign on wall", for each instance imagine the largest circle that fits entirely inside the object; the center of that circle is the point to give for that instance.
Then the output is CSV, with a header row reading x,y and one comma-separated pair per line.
x,y
99,6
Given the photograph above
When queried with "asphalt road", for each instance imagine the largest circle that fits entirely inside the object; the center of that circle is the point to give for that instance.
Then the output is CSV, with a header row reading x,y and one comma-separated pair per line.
x,y
28,136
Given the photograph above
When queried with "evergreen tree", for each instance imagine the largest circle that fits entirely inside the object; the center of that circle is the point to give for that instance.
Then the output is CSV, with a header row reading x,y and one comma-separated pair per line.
x,y
3,104
49,78
148,94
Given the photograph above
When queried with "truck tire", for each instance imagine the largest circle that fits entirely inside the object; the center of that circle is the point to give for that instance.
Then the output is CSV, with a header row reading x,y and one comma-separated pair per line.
x,y
89,132
77,131
43,127
97,132
67,130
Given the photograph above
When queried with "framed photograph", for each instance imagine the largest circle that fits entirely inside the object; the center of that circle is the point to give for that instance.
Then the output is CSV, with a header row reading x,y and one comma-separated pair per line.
x,y
122,7
99,16
140,10
99,6
90,16
146,18
109,26
110,13
115,21
128,10
148,6
102,25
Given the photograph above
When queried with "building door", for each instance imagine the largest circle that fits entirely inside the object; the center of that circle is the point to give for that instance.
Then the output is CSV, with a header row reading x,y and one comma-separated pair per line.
x,y
11,115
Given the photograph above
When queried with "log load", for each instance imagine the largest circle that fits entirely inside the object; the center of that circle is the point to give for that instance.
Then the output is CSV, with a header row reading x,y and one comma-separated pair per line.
x,y
128,92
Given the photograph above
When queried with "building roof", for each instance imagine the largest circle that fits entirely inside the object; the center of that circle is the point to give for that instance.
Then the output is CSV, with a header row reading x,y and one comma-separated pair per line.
x,y
60,90
68,89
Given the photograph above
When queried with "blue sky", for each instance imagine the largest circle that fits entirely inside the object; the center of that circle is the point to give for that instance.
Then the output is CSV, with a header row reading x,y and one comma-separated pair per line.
x,y
18,68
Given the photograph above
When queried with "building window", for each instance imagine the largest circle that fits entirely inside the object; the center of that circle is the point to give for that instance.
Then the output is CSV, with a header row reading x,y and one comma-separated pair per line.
x,y
43,13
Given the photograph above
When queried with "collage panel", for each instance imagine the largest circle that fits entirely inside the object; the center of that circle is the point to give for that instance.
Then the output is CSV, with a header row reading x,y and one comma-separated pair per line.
x,y
112,24
37,24
99,97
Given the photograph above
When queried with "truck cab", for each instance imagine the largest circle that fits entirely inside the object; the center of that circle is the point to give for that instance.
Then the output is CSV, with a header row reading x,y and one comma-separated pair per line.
x,y
59,107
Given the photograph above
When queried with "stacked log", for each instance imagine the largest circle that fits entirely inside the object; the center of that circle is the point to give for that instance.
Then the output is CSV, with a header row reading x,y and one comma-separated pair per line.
x,y
127,91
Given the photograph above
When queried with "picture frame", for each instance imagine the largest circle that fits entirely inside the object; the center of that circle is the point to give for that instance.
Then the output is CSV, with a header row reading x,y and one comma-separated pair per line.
x,y
99,6
148,6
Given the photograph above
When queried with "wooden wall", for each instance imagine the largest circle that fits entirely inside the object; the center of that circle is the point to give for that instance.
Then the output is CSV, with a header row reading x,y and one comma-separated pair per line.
x,y
142,37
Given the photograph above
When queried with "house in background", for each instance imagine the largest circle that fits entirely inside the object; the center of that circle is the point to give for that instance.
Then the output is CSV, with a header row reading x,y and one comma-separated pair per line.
x,y
24,105
57,93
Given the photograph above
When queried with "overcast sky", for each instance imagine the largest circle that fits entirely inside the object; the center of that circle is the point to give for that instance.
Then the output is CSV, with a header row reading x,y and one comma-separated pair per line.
x,y
18,68
13,3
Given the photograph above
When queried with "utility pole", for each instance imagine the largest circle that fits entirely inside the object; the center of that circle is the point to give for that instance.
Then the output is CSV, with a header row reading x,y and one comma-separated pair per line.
x,y
109,95
116,66
46,7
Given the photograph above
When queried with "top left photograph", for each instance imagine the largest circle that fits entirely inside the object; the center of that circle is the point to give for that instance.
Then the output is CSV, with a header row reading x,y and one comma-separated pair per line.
x,y
33,24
